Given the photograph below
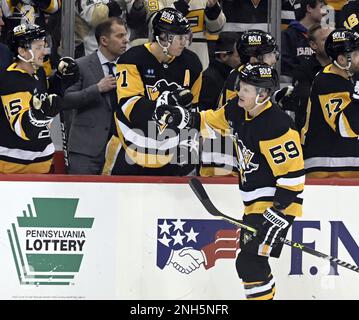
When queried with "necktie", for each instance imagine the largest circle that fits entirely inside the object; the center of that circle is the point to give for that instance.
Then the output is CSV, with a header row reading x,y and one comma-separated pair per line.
x,y
113,98
112,93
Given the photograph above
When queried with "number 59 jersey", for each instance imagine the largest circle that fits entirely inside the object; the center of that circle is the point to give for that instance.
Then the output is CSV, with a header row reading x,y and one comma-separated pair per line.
x,y
270,158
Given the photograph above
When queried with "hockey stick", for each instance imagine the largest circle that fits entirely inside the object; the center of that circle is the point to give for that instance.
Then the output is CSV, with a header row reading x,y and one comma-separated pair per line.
x,y
198,189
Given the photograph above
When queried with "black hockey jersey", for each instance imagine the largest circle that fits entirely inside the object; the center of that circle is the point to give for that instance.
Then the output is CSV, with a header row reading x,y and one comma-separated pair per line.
x,y
25,145
218,156
270,160
330,135
141,79
349,16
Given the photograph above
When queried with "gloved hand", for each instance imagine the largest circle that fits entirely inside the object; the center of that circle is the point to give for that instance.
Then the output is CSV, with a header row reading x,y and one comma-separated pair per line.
x,y
287,99
114,10
182,6
46,107
68,70
355,95
270,231
175,117
178,97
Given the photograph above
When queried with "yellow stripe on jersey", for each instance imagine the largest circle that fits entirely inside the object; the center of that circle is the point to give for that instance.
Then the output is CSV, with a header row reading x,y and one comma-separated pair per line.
x,y
140,158
196,89
268,296
187,78
112,149
53,6
214,171
196,18
304,130
216,120
129,81
22,133
33,168
344,127
295,209
332,104
228,96
15,104
283,154
14,67
128,106
335,174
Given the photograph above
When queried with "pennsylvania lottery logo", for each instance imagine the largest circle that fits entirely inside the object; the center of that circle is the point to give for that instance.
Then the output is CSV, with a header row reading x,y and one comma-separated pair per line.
x,y
187,244
48,243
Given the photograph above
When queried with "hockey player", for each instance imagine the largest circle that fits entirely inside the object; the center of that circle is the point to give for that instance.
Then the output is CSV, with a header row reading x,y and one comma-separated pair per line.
x,y
150,75
27,109
252,46
330,134
271,169
349,16
206,18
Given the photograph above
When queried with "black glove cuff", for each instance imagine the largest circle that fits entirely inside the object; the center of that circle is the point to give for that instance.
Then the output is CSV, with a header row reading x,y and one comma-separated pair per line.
x,y
182,6
212,13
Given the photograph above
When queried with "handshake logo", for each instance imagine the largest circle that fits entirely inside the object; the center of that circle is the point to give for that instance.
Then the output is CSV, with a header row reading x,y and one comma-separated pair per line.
x,y
187,244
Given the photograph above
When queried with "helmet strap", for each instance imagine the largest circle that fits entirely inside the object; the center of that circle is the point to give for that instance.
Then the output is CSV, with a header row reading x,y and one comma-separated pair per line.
x,y
258,104
347,66
31,60
164,49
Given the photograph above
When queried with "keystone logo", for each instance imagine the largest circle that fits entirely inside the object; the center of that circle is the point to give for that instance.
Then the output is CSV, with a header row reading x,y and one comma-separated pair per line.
x,y
48,244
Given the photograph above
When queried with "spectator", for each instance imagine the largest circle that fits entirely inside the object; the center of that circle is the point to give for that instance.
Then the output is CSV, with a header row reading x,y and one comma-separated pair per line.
x,y
295,43
330,135
94,99
244,15
6,55
226,58
205,16
287,13
304,74
27,109
334,7
90,13
18,12
162,72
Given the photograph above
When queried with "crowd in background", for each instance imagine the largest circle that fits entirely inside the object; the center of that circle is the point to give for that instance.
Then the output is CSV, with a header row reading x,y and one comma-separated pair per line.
x,y
101,104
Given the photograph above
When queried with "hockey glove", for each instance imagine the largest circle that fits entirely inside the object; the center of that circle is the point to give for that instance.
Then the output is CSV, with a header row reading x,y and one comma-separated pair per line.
x,y
174,117
182,6
68,71
270,231
178,97
44,109
114,10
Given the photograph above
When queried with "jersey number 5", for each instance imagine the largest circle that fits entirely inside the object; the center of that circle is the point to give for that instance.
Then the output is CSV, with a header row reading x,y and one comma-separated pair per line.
x,y
281,153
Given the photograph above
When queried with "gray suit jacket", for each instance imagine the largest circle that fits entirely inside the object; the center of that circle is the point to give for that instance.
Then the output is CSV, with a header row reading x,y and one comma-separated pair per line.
x,y
93,113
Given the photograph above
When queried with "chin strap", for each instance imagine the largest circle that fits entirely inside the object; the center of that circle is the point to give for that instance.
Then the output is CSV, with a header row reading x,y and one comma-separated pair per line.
x,y
348,65
165,49
31,60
